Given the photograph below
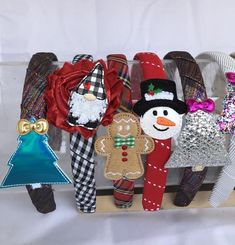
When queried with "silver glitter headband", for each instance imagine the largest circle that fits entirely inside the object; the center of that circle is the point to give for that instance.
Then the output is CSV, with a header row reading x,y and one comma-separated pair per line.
x,y
226,180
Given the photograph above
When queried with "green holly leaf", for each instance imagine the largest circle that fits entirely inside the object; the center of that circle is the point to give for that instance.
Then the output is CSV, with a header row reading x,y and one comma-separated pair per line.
x,y
151,87
158,90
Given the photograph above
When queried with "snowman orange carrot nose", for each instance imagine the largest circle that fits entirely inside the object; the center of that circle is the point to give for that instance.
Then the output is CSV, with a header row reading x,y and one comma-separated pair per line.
x,y
165,122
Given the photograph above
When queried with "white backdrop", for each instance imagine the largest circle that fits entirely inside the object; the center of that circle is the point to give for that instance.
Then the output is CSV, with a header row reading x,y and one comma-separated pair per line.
x,y
101,27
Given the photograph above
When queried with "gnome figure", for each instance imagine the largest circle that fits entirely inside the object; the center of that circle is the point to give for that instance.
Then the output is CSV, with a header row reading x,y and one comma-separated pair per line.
x,y
160,114
88,102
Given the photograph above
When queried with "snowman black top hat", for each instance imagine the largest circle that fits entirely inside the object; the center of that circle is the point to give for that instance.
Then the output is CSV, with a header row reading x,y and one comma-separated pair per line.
x,y
158,92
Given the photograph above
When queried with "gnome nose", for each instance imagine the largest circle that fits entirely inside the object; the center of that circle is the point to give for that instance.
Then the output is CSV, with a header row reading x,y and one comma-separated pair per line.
x,y
89,97
165,122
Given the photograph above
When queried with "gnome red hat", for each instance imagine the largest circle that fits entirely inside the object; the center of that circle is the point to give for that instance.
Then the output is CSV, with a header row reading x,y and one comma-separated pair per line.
x,y
88,102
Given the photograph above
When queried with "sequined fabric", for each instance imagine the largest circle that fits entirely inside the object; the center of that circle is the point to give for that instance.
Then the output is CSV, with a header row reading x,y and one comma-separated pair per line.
x,y
227,118
200,143
195,151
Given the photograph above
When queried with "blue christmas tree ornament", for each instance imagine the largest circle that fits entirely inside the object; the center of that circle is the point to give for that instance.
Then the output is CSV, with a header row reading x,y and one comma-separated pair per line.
x,y
33,161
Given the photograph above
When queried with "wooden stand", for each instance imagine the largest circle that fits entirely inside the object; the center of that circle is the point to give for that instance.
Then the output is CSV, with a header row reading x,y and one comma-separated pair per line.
x,y
106,204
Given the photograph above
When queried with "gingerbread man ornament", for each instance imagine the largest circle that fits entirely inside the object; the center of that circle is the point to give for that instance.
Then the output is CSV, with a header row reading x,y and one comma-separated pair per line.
x,y
123,147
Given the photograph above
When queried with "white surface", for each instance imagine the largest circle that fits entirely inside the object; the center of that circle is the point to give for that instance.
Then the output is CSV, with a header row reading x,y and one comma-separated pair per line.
x,y
100,27
21,225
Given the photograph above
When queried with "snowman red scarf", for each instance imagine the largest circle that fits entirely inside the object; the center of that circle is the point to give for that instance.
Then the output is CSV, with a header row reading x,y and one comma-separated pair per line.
x,y
160,114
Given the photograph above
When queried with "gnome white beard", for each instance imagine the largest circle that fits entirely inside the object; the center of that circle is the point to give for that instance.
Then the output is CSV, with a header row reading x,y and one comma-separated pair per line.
x,y
87,110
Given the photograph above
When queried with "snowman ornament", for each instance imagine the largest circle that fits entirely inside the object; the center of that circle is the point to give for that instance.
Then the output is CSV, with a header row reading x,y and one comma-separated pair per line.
x,y
165,122
161,115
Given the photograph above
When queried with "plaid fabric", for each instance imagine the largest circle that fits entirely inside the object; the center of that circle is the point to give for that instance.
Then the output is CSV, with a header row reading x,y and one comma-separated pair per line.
x,y
83,169
123,193
33,104
129,141
82,57
83,166
193,88
96,81
190,74
123,188
119,63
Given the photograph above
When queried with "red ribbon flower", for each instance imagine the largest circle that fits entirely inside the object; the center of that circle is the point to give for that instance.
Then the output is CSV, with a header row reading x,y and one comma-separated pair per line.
x,y
64,80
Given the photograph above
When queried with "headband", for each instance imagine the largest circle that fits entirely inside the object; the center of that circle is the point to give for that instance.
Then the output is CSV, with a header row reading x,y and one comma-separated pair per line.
x,y
80,97
200,143
83,164
124,187
226,180
34,153
160,114
124,143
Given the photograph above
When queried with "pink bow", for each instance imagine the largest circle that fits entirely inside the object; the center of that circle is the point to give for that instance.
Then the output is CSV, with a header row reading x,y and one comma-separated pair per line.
x,y
231,77
194,105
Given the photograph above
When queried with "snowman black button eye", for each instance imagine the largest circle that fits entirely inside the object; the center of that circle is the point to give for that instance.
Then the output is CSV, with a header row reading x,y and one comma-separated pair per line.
x,y
165,112
155,113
